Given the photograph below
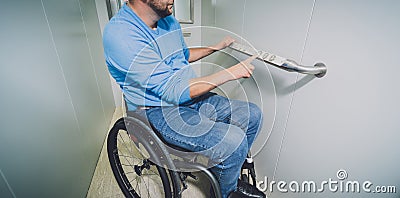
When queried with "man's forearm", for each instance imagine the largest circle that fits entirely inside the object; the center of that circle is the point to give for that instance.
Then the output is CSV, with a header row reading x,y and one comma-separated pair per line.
x,y
199,53
201,85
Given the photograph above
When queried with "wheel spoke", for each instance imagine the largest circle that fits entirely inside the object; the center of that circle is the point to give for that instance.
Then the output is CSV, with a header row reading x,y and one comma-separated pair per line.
x,y
148,192
135,179
126,156
135,156
124,143
126,148
137,184
152,172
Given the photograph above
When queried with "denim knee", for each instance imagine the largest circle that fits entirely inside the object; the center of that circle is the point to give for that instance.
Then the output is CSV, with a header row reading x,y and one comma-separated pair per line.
x,y
256,114
231,147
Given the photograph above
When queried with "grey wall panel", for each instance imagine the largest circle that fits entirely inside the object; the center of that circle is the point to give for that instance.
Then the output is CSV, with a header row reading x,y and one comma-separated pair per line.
x,y
102,14
53,124
349,119
36,110
5,190
207,13
94,36
234,12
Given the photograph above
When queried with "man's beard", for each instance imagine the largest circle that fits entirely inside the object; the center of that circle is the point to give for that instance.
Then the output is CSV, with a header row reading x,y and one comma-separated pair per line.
x,y
160,9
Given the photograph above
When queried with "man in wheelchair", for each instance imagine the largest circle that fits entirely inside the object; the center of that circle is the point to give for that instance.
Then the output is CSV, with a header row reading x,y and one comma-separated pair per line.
x,y
146,54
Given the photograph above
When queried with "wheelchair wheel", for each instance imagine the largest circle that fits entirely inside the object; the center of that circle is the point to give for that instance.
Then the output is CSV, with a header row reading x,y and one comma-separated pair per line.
x,y
133,161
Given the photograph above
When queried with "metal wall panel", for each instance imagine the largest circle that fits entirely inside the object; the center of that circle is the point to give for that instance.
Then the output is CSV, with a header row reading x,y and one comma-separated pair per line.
x,y
55,104
348,119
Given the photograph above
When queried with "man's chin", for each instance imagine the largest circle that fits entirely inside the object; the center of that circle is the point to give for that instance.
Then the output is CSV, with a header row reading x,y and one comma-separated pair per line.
x,y
167,14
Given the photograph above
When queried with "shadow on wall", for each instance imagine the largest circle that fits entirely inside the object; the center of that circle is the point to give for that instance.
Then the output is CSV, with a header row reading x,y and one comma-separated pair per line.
x,y
294,86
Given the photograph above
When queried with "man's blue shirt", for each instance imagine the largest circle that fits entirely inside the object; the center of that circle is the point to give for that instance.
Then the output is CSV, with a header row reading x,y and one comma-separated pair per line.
x,y
151,66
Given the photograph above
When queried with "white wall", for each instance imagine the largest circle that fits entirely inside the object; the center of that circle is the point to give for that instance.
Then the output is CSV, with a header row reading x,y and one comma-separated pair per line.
x,y
102,13
194,40
346,120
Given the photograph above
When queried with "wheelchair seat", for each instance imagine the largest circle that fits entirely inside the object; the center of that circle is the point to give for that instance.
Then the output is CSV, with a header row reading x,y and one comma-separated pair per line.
x,y
144,120
187,155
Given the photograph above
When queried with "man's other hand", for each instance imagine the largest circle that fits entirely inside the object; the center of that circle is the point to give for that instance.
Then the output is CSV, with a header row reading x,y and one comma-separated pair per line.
x,y
224,43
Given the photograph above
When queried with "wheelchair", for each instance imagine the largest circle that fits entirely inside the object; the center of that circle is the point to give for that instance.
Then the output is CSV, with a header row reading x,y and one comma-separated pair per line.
x,y
146,166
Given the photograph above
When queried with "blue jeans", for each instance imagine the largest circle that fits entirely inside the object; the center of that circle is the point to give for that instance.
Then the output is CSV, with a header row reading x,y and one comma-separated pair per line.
x,y
219,128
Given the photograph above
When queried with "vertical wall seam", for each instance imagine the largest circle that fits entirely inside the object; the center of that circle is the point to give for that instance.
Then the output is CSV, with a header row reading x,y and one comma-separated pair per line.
x,y
8,185
60,65
307,33
293,91
91,60
215,12
243,17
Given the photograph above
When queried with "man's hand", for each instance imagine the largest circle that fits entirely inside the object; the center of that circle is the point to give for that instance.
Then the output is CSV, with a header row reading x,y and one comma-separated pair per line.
x,y
199,53
224,43
243,69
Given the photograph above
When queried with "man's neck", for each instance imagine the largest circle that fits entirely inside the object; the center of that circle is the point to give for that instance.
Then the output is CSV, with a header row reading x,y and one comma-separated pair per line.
x,y
148,16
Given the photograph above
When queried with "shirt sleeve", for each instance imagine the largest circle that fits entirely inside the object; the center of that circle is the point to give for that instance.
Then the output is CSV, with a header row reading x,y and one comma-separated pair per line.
x,y
186,50
167,79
